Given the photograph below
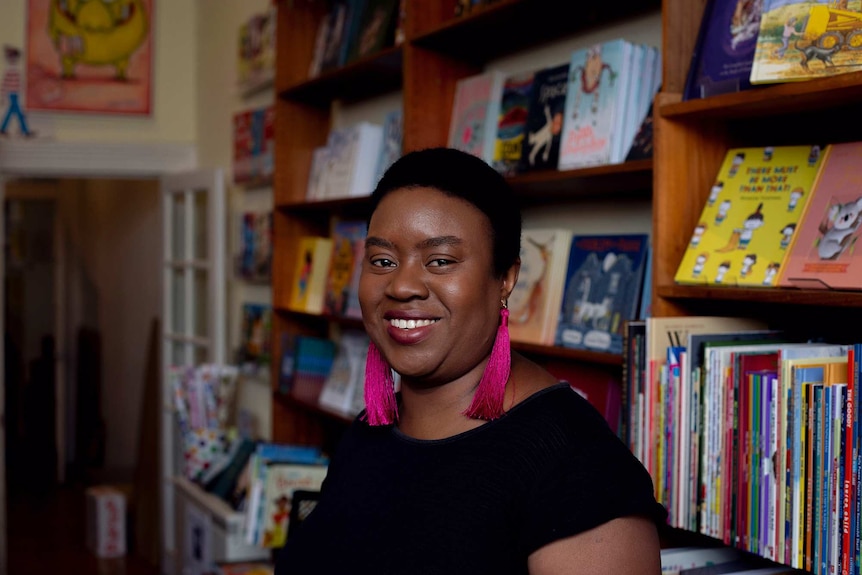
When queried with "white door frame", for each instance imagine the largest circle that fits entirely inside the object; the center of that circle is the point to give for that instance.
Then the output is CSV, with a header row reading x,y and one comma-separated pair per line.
x,y
41,159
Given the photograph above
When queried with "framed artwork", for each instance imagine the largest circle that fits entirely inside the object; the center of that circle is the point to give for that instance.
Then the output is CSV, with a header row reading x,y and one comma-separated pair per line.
x,y
90,56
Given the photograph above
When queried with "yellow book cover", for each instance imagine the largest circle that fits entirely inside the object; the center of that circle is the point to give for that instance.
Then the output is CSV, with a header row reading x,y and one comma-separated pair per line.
x,y
310,274
750,216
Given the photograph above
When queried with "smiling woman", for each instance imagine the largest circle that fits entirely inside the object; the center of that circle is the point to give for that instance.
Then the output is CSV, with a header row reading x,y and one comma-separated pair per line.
x,y
483,462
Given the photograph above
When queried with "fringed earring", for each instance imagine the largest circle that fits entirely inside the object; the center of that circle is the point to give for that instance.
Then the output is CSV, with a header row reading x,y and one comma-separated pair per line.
x,y
380,405
488,400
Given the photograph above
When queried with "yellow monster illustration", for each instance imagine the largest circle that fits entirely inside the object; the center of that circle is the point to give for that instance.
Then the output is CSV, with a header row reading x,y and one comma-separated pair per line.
x,y
97,33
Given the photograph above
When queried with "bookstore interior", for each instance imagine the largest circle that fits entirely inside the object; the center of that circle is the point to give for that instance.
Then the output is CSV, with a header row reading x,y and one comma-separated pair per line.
x,y
691,209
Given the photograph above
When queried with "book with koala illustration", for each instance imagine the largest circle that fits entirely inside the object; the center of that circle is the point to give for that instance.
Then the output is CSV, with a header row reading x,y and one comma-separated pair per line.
x,y
824,253
541,143
604,279
750,216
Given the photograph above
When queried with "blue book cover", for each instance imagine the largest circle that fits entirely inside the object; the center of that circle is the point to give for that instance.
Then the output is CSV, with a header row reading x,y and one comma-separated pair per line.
x,y
541,145
604,278
512,122
724,51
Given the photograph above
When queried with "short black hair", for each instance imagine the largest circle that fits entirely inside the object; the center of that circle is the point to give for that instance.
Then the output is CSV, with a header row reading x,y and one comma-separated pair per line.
x,y
461,175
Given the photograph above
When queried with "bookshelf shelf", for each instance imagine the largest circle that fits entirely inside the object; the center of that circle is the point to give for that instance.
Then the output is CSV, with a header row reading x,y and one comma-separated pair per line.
x,y
801,297
553,352
306,400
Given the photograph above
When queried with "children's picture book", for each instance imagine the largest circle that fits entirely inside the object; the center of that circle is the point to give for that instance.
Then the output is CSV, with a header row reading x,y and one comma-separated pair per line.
x,y
282,479
346,379
750,216
350,163
823,253
375,28
336,36
306,362
253,145
805,39
534,303
309,277
347,236
599,79
604,278
256,334
512,122
255,255
256,51
642,147
541,143
475,110
724,49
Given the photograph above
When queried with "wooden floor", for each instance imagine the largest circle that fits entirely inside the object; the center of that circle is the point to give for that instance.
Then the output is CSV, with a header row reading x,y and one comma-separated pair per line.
x,y
46,536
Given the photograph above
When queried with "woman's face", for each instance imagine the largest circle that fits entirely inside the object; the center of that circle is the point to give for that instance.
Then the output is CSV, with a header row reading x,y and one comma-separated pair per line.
x,y
429,298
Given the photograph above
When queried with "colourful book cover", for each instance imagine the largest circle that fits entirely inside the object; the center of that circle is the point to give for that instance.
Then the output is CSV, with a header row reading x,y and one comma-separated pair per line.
x,y
721,61
512,122
544,127
599,78
253,146
750,216
475,109
342,265
604,278
256,336
805,39
310,274
534,304
823,253
282,479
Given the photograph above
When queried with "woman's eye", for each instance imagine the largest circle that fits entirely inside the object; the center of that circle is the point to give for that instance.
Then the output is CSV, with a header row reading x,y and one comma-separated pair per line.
x,y
440,262
382,262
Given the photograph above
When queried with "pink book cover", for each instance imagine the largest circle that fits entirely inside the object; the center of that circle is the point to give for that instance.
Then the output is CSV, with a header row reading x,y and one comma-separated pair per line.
x,y
473,125
825,252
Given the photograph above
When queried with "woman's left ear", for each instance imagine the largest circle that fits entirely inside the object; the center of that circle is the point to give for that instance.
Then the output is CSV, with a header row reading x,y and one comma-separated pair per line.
x,y
510,278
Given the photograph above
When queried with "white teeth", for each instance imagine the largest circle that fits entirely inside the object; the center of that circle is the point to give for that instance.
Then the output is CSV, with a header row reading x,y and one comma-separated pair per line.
x,y
410,323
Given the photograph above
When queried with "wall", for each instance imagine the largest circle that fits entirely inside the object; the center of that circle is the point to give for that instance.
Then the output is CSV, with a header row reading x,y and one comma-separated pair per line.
x,y
218,100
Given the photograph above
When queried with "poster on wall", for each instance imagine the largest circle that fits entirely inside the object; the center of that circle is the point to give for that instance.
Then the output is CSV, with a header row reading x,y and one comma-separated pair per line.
x,y
94,56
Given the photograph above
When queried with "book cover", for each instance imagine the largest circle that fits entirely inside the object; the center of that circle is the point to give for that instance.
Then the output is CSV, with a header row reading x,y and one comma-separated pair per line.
x,y
313,364
346,379
282,479
246,568
255,258
256,334
475,109
823,252
351,161
308,288
393,138
512,122
534,303
253,145
376,28
750,216
604,278
337,36
599,78
256,52
724,50
544,126
805,39
346,235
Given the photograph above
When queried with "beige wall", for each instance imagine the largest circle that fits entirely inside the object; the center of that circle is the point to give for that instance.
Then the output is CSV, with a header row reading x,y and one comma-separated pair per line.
x,y
174,90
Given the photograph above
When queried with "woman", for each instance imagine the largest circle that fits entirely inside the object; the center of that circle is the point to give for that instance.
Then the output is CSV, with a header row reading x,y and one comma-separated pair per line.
x,y
483,462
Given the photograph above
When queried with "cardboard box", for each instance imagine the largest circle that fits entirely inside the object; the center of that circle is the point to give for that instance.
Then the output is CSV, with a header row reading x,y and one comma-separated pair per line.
x,y
106,521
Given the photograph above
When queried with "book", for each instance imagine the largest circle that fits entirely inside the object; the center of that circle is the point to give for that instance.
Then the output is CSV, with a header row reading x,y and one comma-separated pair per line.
x,y
749,218
346,379
594,111
308,287
823,251
724,50
676,559
393,138
337,36
351,161
256,334
282,479
801,40
347,237
544,125
313,363
534,303
512,122
376,28
604,278
256,52
475,110
254,262
253,145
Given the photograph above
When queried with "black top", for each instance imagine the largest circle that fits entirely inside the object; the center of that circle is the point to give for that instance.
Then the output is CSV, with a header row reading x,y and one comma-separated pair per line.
x,y
479,502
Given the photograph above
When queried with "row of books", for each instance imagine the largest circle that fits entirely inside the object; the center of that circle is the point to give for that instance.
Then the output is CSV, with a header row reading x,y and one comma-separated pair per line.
x,y
583,112
353,29
782,216
744,44
577,291
750,435
354,158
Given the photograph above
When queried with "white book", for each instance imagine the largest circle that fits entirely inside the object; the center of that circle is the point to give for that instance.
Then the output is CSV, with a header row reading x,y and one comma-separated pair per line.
x,y
352,160
674,560
316,186
347,373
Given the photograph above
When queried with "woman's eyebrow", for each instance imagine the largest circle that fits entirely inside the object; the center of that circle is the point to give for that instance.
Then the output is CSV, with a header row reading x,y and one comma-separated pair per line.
x,y
374,241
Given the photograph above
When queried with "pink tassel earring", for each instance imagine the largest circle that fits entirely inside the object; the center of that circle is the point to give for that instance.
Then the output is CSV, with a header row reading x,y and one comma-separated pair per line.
x,y
488,400
380,405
